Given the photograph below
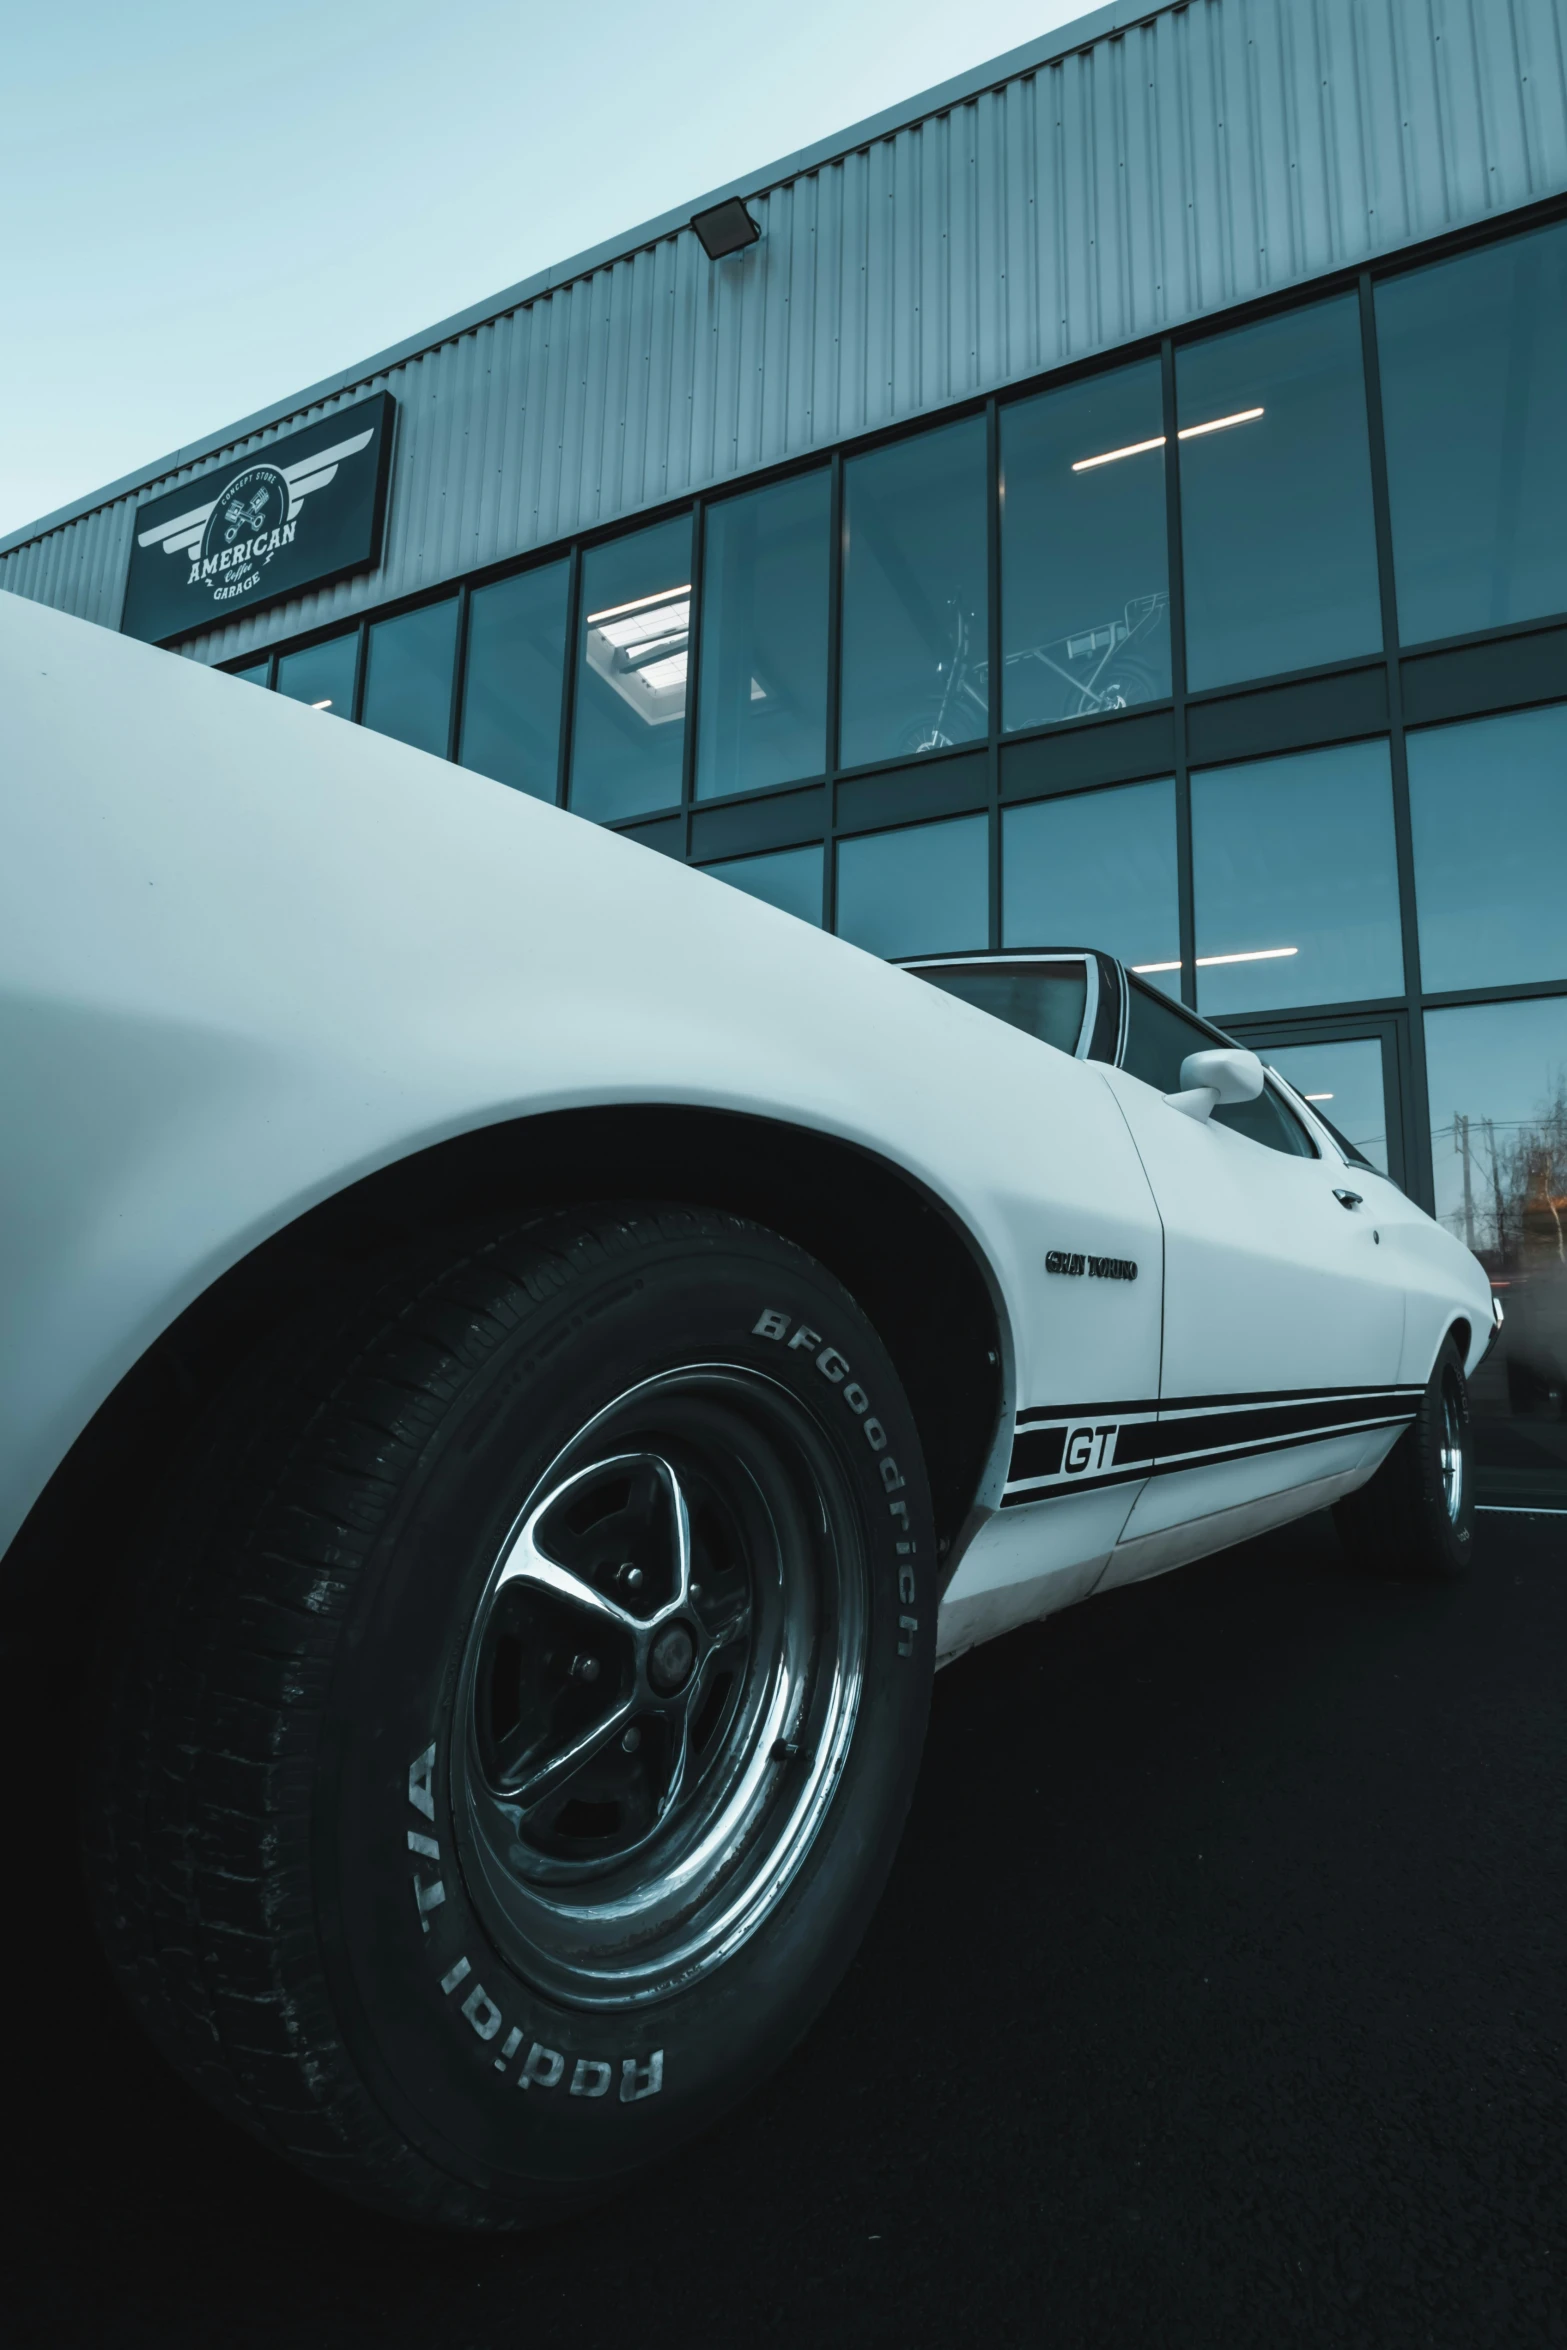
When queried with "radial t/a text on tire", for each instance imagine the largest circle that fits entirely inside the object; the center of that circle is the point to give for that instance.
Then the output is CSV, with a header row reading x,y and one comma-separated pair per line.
x,y
506,1740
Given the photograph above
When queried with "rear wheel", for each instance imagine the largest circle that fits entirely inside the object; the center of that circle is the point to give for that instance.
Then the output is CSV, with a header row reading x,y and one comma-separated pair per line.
x,y
1416,1516
506,1743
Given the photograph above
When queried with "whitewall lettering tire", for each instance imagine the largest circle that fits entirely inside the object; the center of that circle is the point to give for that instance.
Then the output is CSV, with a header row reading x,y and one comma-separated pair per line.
x,y
506,1738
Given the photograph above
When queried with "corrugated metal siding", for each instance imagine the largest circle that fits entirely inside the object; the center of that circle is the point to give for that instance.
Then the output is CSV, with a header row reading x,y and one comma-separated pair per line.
x,y
1222,150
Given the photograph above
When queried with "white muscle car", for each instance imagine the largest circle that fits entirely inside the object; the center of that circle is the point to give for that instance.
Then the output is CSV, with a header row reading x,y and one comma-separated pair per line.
x,y
535,1356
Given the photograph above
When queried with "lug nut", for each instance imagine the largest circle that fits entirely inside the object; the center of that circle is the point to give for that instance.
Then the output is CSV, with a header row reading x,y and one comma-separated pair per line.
x,y
629,1575
585,1668
630,1741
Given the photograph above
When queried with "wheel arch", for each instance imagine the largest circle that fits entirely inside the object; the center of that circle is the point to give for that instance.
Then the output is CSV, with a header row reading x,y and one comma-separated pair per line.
x,y
910,1263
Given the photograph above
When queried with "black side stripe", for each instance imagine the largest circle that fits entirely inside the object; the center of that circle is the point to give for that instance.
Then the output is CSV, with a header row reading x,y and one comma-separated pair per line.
x,y
1252,1397
1090,1447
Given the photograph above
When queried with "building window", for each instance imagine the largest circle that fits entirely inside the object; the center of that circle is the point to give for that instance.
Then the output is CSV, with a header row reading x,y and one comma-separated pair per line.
x,y
1096,869
254,672
1085,598
763,701
923,890
1296,881
915,657
1497,1083
628,739
790,879
1343,1078
1488,803
512,685
1277,534
322,675
408,676
1473,356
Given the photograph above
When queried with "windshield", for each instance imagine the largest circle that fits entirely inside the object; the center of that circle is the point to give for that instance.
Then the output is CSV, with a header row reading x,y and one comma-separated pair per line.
x,y
1047,1000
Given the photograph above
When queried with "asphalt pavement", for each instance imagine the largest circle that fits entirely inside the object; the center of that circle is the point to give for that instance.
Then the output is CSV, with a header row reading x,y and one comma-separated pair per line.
x,y
1218,1998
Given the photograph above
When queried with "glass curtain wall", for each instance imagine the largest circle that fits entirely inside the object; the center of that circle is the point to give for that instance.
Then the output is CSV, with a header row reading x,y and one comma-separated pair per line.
x,y
408,676
515,671
628,739
1365,867
763,713
1276,517
1085,592
916,664
1474,359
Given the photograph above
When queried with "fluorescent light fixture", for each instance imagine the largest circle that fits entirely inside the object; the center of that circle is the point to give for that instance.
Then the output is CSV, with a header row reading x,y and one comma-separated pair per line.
x,y
1316,1097
1207,962
641,650
725,228
1194,432
1188,432
1114,456
326,705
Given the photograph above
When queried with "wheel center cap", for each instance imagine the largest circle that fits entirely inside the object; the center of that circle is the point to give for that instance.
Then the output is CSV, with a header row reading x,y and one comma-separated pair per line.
x,y
670,1660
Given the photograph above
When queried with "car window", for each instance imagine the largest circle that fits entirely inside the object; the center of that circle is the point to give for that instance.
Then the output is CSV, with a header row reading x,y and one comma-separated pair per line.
x,y
1159,1035
1268,1120
1047,1000
1356,1158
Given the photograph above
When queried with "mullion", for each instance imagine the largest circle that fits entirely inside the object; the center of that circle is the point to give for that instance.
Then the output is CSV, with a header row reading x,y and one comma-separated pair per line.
x,y
835,511
994,656
568,683
459,675
1185,886
1417,1115
693,680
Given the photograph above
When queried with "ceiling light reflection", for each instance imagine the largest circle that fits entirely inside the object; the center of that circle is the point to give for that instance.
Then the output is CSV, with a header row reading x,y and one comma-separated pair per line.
x,y
1188,432
1207,962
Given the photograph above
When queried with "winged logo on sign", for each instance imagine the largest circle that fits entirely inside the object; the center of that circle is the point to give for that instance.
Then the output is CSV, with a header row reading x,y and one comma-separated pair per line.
x,y
230,540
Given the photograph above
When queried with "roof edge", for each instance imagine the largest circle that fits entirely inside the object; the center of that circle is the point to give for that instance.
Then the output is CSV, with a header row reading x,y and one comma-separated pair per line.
x,y
1118,16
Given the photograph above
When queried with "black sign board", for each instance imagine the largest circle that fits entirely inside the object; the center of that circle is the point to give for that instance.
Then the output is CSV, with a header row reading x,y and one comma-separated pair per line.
x,y
303,510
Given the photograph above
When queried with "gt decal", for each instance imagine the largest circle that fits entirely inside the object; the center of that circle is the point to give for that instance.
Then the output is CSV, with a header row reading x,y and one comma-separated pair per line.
x,y
836,1369
1089,1448
540,2067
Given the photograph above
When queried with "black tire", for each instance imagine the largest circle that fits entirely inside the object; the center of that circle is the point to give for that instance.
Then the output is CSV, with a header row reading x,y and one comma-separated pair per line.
x,y
1416,1515
347,1656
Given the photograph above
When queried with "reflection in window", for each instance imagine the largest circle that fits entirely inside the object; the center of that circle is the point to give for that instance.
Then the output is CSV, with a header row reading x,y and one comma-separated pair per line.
x,y
1084,579
1096,869
924,890
1342,1079
915,659
790,879
763,717
322,675
1276,524
1488,801
1295,879
1473,357
1497,1084
512,687
408,676
628,734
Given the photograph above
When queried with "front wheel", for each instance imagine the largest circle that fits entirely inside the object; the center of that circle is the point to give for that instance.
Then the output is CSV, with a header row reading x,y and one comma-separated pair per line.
x,y
508,1740
1416,1515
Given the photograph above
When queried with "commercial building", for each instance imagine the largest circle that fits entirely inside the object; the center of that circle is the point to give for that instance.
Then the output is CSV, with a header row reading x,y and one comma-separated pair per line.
x,y
1118,498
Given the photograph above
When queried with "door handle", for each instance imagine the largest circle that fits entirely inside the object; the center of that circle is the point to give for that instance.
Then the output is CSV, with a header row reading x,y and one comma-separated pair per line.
x,y
1347,1199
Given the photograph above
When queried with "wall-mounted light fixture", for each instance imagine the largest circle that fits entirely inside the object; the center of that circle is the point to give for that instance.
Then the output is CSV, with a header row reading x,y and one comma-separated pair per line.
x,y
725,228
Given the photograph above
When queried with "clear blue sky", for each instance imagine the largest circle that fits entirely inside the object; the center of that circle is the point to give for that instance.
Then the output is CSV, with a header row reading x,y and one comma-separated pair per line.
x,y
209,206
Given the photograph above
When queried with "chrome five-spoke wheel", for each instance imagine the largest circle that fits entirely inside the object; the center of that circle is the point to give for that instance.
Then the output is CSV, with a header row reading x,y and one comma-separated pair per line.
x,y
661,1685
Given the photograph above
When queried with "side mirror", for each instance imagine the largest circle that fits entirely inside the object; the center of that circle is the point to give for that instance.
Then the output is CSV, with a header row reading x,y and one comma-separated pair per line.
x,y
1227,1074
